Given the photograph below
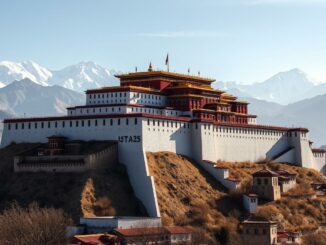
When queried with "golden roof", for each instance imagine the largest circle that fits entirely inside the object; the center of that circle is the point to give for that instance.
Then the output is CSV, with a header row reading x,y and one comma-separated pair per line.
x,y
165,74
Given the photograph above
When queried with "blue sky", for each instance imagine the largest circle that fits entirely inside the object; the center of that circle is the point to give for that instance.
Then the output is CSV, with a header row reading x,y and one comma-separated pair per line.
x,y
244,40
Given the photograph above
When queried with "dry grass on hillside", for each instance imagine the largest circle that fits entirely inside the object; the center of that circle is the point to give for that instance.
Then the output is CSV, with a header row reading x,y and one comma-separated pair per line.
x,y
188,196
296,214
243,171
292,212
79,194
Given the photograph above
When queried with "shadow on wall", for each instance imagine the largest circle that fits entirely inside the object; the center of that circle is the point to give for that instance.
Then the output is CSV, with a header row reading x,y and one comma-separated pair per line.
x,y
279,148
323,170
111,188
182,138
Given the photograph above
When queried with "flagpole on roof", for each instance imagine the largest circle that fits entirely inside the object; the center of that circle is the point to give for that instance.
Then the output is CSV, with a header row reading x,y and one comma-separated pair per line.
x,y
167,62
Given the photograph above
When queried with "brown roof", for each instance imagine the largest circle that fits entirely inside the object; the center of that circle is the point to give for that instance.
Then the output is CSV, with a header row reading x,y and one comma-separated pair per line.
x,y
318,150
265,173
94,239
233,180
152,231
177,230
285,173
251,194
258,220
141,231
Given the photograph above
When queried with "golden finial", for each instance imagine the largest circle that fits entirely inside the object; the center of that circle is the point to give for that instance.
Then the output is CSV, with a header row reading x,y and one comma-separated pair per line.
x,y
150,68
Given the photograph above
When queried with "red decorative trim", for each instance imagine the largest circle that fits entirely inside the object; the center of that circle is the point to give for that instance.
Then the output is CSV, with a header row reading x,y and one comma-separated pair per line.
x,y
315,150
98,116
184,119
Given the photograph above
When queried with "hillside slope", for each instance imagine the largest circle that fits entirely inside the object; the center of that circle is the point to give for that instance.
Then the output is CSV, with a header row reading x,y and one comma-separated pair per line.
x,y
187,195
79,194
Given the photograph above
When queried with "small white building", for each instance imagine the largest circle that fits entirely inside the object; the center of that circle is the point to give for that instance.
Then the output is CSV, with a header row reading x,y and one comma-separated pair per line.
x,y
250,202
109,223
286,180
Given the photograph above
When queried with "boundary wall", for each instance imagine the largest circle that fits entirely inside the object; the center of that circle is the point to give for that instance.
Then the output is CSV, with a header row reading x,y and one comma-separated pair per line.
x,y
138,133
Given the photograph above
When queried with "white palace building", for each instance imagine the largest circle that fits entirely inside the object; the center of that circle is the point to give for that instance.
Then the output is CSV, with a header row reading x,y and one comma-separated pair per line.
x,y
166,111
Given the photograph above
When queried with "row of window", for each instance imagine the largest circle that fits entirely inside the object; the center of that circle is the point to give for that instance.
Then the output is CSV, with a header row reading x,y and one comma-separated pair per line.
x,y
162,123
252,131
243,137
115,101
264,231
94,110
124,94
319,154
265,181
168,124
107,95
118,109
108,101
75,123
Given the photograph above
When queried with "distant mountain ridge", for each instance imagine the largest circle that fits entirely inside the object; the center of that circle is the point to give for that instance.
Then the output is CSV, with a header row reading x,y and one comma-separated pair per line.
x,y
79,77
26,98
45,92
308,113
283,88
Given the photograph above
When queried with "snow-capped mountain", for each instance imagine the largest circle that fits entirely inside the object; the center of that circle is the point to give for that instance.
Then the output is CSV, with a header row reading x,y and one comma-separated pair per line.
x,y
79,77
11,71
283,88
26,98
83,76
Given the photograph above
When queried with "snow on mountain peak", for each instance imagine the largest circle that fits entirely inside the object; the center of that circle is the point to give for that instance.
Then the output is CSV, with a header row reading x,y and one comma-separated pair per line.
x,y
80,77
10,71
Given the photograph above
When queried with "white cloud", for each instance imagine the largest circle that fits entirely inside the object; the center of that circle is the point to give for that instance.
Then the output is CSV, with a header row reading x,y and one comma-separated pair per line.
x,y
182,34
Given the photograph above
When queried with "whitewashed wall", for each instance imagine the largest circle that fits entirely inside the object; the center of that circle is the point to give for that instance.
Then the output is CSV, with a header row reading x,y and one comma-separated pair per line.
x,y
130,153
201,141
122,109
250,203
149,99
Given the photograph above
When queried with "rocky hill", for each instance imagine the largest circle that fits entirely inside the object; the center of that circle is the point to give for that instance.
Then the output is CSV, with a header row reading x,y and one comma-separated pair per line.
x,y
79,194
188,196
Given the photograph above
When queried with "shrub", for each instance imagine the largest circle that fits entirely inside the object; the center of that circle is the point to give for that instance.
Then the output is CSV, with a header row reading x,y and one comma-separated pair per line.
x,y
33,225
315,238
222,235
